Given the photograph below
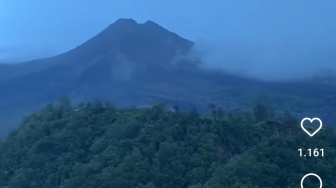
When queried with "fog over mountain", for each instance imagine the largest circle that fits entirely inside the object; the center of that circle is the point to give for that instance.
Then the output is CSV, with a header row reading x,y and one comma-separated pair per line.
x,y
273,40
275,60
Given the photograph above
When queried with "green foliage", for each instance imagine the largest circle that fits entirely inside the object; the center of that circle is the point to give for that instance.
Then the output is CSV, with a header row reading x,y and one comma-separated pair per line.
x,y
99,146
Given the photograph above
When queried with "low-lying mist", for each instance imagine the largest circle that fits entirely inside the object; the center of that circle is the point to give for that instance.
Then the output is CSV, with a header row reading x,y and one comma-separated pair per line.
x,y
275,61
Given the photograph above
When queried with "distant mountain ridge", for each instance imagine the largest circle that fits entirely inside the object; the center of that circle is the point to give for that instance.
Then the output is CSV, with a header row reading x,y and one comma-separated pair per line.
x,y
132,64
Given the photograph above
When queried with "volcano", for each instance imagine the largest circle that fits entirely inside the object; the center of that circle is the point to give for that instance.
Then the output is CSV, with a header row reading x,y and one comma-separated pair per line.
x,y
133,64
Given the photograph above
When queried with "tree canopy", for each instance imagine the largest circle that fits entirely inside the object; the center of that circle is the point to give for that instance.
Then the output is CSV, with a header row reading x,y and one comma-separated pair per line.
x,y
96,145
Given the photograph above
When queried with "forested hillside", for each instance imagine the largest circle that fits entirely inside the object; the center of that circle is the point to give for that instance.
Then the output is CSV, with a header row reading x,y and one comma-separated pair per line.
x,y
95,145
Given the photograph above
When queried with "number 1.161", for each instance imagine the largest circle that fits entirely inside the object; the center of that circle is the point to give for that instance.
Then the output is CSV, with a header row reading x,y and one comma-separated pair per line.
x,y
311,152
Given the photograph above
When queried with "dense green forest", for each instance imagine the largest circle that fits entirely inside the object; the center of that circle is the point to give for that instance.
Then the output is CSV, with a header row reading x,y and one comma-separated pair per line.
x,y
96,145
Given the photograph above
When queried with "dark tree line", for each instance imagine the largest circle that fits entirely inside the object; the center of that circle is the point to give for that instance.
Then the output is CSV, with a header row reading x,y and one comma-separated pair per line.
x,y
95,145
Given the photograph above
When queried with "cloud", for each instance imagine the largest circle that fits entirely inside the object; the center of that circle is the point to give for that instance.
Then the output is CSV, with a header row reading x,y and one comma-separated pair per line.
x,y
270,60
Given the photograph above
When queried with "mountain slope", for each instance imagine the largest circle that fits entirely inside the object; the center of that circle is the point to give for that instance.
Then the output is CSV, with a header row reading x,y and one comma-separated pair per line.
x,y
104,67
134,64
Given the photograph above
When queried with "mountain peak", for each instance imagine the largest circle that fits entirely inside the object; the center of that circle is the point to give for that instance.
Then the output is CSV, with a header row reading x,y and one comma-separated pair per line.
x,y
150,22
147,42
125,22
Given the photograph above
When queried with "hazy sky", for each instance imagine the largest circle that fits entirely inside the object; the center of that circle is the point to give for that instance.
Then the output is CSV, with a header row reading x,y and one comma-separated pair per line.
x,y
250,36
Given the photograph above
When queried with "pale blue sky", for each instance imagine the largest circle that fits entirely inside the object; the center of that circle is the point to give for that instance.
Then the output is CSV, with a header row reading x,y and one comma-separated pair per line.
x,y
268,29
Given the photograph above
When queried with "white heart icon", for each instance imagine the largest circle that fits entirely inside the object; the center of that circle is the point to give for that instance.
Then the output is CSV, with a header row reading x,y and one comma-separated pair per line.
x,y
311,121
